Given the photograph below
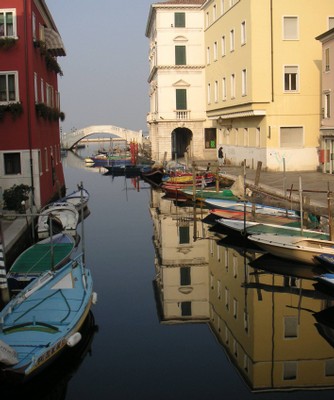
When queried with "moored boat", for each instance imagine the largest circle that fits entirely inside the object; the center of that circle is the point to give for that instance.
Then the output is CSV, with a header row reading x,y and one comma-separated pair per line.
x,y
44,319
48,254
296,248
57,217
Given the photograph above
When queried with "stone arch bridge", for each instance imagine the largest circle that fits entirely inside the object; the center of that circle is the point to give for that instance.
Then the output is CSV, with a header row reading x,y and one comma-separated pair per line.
x,y
69,140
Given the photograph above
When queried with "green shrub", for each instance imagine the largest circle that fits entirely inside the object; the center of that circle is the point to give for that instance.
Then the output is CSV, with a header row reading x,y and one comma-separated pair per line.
x,y
14,196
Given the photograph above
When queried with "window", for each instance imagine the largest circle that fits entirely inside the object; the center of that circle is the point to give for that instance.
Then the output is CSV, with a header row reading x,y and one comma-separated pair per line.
x,y
215,51
184,235
290,78
208,55
290,28
227,298
8,87
34,26
7,23
214,15
210,138
216,91
224,89
181,99
179,20
232,86
186,308
290,327
36,87
329,368
180,55
12,163
243,33
327,68
327,105
232,40
243,82
289,370
223,46
49,91
209,93
185,277
330,23
235,308
42,91
222,6
292,137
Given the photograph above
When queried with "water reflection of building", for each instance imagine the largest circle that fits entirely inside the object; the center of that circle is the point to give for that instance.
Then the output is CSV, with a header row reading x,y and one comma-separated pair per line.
x,y
181,261
266,324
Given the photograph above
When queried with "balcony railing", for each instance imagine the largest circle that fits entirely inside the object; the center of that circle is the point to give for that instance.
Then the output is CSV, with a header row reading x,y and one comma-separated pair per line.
x,y
182,114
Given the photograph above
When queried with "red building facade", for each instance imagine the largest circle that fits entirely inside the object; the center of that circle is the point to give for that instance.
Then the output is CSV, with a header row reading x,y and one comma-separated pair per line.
x,y
29,100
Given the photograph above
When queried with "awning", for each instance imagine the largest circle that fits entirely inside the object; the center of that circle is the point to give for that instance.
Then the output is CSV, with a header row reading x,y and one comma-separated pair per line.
x,y
54,43
241,114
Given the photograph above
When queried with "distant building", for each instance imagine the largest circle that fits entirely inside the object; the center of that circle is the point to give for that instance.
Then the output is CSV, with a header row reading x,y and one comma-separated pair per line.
x,y
29,99
176,56
261,80
327,90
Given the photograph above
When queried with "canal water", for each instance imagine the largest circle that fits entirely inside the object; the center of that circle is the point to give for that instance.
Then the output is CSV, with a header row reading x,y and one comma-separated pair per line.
x,y
183,313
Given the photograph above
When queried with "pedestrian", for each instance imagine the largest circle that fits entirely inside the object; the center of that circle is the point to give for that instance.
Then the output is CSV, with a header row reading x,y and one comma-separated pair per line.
x,y
220,156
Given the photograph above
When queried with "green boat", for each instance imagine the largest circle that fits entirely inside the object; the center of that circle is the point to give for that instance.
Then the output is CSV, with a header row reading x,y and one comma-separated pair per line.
x,y
48,254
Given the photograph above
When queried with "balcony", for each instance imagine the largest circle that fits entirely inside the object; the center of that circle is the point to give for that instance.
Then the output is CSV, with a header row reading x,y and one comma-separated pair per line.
x,y
182,115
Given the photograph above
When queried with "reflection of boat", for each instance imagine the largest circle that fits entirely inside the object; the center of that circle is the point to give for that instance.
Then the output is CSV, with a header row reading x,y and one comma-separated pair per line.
x,y
327,279
276,265
50,253
51,384
296,248
327,260
252,227
242,206
57,217
44,319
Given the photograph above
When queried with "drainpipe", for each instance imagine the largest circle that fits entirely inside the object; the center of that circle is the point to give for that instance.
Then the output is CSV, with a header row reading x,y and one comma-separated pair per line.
x,y
28,97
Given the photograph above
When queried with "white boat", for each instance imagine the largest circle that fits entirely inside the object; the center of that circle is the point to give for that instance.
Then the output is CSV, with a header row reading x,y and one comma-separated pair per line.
x,y
56,218
327,279
252,228
297,248
79,198
239,205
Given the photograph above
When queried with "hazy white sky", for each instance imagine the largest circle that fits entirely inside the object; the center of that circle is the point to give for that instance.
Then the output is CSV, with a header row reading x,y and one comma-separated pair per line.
x,y
106,66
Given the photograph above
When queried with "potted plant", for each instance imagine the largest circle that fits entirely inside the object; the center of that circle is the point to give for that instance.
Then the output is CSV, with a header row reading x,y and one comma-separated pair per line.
x,y
14,196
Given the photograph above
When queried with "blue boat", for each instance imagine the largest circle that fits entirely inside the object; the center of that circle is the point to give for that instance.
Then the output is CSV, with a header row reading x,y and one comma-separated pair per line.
x,y
326,260
39,323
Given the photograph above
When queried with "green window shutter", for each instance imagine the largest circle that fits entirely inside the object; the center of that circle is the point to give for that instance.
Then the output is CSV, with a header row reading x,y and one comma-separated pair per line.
x,y
180,55
181,99
179,20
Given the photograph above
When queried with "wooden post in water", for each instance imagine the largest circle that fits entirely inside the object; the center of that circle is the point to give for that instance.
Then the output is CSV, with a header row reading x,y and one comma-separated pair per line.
x,y
193,165
3,279
256,182
301,204
330,218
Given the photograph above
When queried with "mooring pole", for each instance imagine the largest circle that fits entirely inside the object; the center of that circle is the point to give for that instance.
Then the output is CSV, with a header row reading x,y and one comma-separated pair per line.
x,y
3,278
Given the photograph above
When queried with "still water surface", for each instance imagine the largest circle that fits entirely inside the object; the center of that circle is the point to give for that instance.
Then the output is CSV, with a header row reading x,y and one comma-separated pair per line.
x,y
180,318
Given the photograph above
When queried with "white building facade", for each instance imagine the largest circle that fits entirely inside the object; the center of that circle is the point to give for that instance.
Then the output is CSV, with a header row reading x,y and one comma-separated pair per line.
x,y
176,79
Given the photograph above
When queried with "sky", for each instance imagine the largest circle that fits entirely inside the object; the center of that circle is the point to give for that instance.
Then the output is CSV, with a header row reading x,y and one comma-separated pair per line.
x,y
106,67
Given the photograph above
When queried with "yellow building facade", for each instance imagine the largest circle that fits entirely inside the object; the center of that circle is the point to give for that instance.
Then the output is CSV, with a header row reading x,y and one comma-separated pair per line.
x,y
263,80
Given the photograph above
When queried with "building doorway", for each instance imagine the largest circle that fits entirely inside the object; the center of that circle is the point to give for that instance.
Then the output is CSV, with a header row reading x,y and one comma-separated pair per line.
x,y
181,140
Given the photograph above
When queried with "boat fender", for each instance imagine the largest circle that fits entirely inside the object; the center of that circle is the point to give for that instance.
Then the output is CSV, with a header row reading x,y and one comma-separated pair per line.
x,y
8,355
94,298
74,339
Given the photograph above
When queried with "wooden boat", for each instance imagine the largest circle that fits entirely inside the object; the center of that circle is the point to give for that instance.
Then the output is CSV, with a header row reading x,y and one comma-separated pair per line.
x,y
153,175
188,179
44,319
242,206
296,248
253,228
209,193
265,218
50,253
57,217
